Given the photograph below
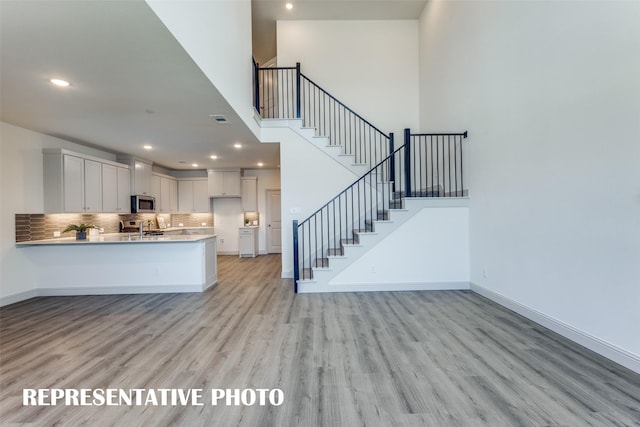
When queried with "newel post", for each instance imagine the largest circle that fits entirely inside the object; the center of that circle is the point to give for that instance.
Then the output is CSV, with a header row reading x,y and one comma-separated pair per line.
x,y
297,90
407,162
392,165
296,266
256,87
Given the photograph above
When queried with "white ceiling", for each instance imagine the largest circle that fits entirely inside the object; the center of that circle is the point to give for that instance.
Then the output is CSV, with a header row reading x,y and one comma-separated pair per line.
x,y
265,13
132,83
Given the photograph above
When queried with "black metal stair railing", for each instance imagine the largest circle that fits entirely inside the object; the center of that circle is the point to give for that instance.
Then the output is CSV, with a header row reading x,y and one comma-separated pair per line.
x,y
426,165
286,93
434,165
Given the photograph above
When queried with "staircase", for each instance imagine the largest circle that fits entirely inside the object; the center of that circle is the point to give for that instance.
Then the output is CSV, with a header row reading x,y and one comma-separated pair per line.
x,y
284,93
394,185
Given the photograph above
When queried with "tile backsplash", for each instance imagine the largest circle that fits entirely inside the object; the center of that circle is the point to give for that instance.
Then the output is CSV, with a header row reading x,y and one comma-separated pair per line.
x,y
41,226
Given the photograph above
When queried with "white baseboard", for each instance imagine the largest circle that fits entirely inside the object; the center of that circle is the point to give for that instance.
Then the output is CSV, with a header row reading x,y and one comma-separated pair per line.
x,y
314,287
604,348
287,274
21,296
103,290
123,290
236,253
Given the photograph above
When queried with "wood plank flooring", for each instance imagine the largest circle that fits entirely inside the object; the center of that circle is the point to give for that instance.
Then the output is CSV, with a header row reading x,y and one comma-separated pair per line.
x,y
440,358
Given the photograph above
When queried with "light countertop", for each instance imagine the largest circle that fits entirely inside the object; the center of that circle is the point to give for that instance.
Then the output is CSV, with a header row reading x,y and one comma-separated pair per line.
x,y
119,238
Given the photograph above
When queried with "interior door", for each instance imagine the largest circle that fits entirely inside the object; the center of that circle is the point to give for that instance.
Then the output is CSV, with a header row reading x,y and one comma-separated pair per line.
x,y
274,222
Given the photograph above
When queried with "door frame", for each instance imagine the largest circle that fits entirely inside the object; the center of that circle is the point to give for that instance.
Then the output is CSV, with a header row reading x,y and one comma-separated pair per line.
x,y
268,216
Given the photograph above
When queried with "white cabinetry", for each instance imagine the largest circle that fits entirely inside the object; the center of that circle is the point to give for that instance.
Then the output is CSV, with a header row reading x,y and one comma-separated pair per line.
x,y
224,183
92,186
141,182
155,189
193,195
250,194
165,189
75,183
142,178
82,184
248,244
173,195
116,189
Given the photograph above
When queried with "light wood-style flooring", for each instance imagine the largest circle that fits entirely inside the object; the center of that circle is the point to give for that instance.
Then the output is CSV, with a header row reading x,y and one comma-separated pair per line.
x,y
443,358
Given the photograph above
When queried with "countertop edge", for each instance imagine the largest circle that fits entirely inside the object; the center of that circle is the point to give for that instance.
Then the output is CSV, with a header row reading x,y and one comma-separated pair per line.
x,y
111,239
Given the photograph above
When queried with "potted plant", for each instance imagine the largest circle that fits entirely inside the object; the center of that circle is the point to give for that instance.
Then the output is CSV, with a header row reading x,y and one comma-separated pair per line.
x,y
80,229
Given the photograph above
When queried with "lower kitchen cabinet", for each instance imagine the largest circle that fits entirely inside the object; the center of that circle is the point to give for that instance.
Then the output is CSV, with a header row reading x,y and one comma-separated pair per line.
x,y
248,244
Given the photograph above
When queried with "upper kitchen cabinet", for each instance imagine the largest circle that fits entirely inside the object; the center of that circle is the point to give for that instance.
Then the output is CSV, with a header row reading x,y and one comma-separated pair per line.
x,y
193,196
142,178
140,175
250,194
224,183
116,190
74,182
165,189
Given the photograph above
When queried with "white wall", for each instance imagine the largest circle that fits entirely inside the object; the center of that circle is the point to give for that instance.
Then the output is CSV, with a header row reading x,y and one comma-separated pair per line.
x,y
217,35
21,191
371,66
550,94
268,179
429,251
309,178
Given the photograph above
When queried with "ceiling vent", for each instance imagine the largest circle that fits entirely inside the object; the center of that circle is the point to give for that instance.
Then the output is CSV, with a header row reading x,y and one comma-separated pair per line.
x,y
219,119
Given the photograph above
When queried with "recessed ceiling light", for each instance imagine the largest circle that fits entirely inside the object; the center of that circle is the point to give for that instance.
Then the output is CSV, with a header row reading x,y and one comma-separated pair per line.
x,y
60,83
260,164
237,145
289,6
195,165
214,157
147,147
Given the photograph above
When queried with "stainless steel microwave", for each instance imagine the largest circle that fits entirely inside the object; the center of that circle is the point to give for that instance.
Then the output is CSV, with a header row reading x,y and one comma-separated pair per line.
x,y
143,204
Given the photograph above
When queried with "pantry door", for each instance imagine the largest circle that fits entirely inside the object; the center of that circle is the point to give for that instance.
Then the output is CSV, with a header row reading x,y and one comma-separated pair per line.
x,y
274,222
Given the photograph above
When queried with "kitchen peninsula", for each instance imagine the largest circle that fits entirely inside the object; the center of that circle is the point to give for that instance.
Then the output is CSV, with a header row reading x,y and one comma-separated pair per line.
x,y
118,263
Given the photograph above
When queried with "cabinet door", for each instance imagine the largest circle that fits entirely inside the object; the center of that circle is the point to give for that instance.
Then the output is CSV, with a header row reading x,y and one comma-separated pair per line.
x,y
155,188
224,183
156,191
142,178
216,183
201,196
109,188
124,191
249,194
165,196
73,184
173,195
231,181
185,196
92,186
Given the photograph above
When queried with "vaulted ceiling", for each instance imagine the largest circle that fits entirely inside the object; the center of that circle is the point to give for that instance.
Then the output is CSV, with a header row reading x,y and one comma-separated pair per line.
x,y
132,83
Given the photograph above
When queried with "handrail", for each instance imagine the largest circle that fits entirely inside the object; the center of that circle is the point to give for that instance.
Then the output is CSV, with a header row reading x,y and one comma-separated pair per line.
x,y
425,165
286,93
356,181
344,105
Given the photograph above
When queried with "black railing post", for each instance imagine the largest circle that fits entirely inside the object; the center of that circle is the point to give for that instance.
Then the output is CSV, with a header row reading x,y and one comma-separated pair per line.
x,y
256,86
297,90
296,266
407,162
392,165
